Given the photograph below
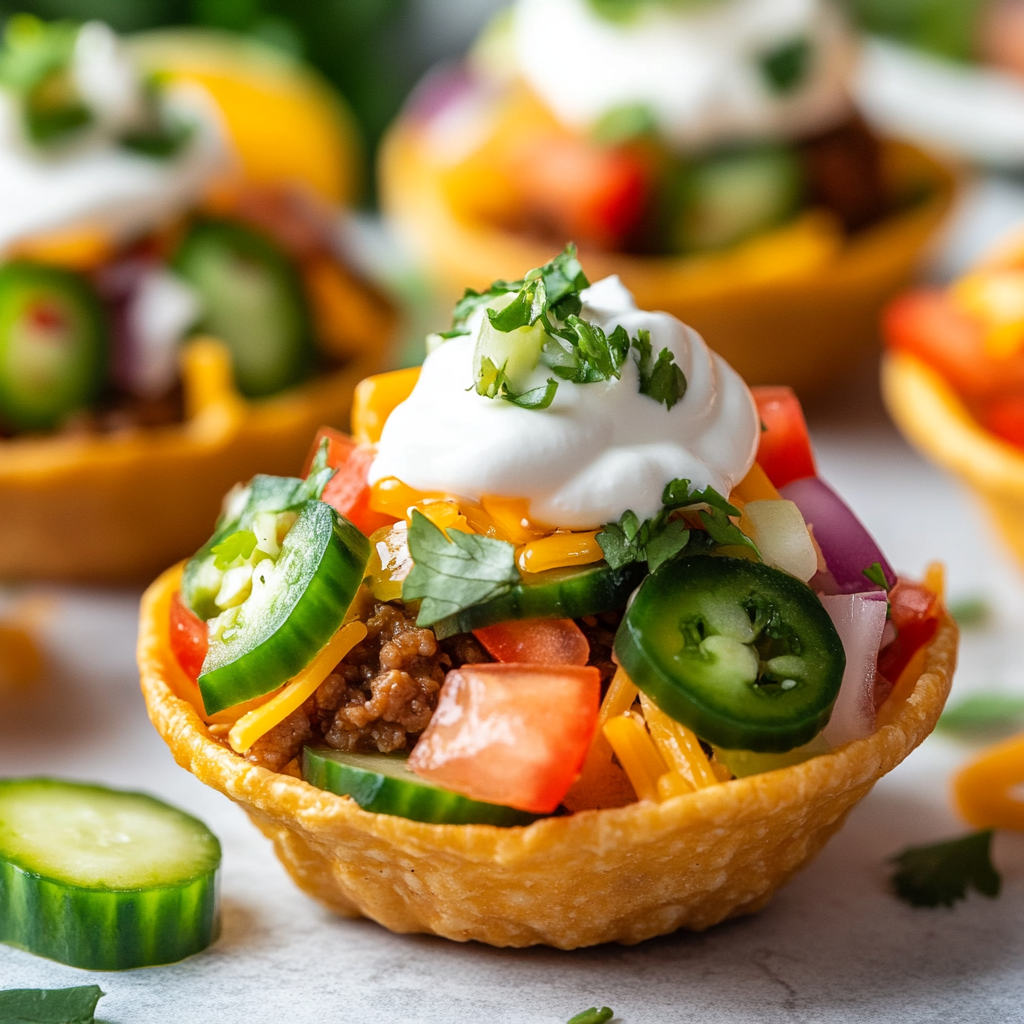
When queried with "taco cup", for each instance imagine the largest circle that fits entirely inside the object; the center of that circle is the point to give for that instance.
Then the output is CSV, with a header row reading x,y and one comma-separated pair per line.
x,y
493,163
462,707
143,214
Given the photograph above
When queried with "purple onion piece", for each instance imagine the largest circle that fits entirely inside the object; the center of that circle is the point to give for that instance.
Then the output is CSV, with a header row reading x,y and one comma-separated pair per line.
x,y
437,90
860,621
847,547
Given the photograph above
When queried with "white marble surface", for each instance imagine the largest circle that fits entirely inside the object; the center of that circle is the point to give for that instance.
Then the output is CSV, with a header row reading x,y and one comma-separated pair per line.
x,y
835,945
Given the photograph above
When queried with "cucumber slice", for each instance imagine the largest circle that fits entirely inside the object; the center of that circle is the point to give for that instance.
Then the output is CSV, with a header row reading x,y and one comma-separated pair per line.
x,y
381,783
296,605
557,594
53,345
253,300
730,196
103,879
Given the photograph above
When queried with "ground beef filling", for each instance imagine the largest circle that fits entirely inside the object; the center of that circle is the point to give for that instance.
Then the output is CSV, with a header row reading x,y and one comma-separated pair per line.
x,y
382,695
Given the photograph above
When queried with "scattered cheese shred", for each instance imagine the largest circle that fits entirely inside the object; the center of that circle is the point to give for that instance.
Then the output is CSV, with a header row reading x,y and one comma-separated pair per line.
x,y
679,746
559,550
250,727
636,753
983,791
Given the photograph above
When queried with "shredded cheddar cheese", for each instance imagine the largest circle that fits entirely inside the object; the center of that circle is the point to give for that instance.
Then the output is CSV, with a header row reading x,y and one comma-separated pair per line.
x,y
983,791
636,753
560,550
250,727
679,746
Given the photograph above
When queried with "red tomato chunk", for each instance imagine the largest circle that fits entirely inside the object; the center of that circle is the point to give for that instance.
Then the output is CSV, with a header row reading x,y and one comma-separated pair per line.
x,y
188,638
536,642
511,734
784,452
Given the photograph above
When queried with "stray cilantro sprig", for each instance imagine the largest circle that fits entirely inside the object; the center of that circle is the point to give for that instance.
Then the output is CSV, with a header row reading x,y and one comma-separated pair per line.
x,y
593,1016
664,535
455,572
493,383
939,875
984,714
50,1005
970,611
660,379
874,573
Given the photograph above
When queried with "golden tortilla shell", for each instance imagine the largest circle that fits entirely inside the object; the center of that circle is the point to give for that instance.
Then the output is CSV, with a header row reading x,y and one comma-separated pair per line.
x,y
620,875
935,420
797,306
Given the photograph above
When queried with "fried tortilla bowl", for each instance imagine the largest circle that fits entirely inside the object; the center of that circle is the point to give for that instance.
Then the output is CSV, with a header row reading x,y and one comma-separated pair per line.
x,y
620,875
795,306
937,422
116,508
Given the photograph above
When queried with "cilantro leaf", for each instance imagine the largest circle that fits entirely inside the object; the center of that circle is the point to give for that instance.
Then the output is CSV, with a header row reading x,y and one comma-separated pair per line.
x,y
624,124
621,542
677,494
663,380
939,875
535,398
786,66
874,574
984,714
563,280
970,611
666,543
493,383
239,544
455,572
724,532
593,1016
50,1005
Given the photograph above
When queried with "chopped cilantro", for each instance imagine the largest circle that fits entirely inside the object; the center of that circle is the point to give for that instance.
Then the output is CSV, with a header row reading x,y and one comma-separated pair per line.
x,y
493,383
455,572
724,532
785,67
939,875
875,574
593,1016
970,611
50,1005
624,124
663,381
239,544
984,714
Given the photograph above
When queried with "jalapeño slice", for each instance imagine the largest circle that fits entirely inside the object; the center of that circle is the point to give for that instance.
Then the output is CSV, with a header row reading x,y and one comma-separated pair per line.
x,y
296,604
253,300
743,654
53,345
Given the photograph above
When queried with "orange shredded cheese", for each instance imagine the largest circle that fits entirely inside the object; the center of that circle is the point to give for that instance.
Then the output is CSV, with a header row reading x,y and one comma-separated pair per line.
x,y
679,746
250,727
636,753
983,791
559,550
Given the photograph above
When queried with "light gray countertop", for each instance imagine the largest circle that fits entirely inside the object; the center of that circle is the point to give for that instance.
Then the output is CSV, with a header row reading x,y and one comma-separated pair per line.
x,y
835,945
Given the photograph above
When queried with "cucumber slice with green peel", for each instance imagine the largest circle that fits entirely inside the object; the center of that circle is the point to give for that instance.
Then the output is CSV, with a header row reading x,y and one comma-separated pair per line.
x,y
556,594
381,783
743,654
103,879
253,300
296,605
54,345
727,197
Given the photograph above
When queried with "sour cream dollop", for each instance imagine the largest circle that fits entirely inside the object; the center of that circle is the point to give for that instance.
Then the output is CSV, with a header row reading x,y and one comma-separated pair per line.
x,y
93,182
598,450
697,69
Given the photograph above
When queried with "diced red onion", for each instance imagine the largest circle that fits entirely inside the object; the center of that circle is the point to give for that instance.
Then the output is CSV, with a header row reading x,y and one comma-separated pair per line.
x,y
860,621
440,88
848,548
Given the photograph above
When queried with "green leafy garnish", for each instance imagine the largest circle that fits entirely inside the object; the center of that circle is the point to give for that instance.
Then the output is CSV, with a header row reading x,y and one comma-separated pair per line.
x,y
627,10
50,1005
875,574
984,714
786,66
663,380
239,544
320,472
593,1016
971,611
939,875
455,572
624,124
493,383
665,535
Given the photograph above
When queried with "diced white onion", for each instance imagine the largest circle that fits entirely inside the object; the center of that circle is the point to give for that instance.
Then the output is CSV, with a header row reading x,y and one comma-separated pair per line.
x,y
781,535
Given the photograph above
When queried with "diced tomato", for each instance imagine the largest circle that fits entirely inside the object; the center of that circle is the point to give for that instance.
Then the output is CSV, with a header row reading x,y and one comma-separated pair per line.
x,y
914,611
785,451
511,734
1004,417
536,642
189,639
590,193
347,491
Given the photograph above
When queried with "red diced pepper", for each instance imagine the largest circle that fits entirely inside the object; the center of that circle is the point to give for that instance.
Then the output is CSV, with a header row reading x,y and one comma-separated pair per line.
x,y
785,451
536,642
189,639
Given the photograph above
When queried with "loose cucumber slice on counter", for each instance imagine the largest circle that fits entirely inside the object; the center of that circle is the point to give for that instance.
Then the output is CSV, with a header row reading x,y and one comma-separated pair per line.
x,y
556,594
103,879
743,654
381,783
53,345
253,300
296,604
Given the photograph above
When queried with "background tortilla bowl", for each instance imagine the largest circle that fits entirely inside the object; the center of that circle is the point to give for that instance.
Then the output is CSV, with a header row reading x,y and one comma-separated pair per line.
x,y
620,875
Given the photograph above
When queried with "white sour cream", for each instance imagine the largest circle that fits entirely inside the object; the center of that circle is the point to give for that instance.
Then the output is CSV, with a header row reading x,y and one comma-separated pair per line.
x,y
599,449
93,182
697,69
